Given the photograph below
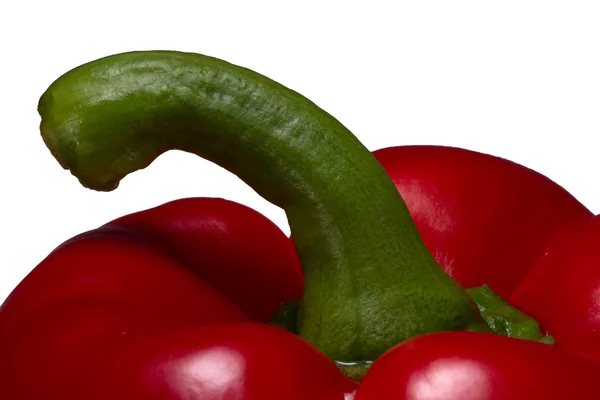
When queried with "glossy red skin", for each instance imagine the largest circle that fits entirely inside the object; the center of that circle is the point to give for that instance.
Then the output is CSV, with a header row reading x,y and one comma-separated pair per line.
x,y
486,220
479,366
236,361
108,267
108,316
232,247
563,291
135,321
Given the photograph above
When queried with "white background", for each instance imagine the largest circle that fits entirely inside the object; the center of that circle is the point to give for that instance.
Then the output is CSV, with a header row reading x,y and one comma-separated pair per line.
x,y
518,79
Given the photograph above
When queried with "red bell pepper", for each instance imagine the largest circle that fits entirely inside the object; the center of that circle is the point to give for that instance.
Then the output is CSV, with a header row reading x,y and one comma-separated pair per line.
x,y
138,327
171,303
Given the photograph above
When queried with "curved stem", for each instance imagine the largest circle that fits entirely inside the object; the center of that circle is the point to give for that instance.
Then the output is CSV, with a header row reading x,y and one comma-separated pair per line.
x,y
370,282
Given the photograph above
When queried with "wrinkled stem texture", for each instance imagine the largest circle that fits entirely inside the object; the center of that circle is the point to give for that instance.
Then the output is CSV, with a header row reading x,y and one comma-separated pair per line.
x,y
370,281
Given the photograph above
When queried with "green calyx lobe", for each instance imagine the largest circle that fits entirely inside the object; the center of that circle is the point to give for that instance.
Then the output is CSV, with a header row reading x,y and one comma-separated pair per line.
x,y
370,282
504,319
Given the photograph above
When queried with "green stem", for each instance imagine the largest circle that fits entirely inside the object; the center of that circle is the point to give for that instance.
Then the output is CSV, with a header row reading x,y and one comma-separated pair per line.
x,y
370,282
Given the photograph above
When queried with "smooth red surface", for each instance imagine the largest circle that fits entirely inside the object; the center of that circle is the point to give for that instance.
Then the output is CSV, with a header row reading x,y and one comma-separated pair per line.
x,y
485,219
479,366
110,316
58,358
232,247
563,291
109,268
